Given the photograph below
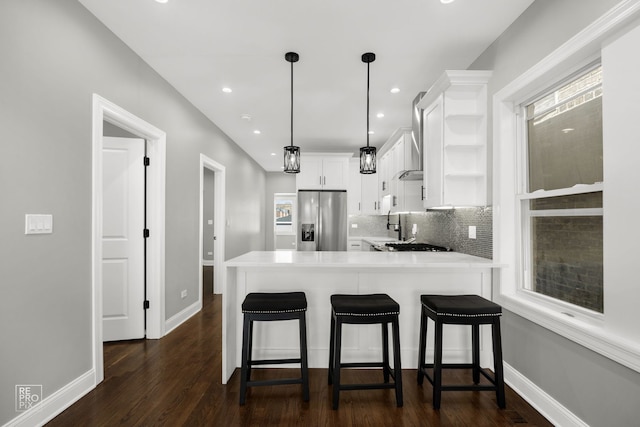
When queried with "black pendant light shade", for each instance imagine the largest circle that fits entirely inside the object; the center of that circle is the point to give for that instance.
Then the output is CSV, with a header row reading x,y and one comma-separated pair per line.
x,y
292,159
291,152
368,154
367,160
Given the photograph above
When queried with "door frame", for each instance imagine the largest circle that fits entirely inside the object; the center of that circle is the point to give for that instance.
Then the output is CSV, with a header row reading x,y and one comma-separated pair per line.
x,y
219,222
104,110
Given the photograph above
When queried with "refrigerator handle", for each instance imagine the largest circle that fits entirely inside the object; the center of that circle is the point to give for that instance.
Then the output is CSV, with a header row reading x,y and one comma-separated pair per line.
x,y
319,231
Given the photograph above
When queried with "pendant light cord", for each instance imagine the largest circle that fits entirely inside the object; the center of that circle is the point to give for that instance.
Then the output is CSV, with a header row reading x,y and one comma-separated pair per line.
x,y
292,104
368,103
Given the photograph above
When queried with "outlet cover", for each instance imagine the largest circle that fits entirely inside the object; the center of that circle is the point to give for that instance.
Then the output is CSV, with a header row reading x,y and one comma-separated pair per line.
x,y
472,231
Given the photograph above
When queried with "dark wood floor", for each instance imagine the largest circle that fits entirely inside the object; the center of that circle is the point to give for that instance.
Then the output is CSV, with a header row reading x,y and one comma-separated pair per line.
x,y
177,381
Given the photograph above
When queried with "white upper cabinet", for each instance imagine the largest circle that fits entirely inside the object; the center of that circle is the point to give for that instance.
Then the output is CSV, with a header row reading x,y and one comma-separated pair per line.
x,y
323,171
362,194
455,140
397,195
383,172
354,192
370,195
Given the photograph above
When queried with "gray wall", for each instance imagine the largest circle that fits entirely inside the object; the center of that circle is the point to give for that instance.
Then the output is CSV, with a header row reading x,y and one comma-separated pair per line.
x,y
55,55
277,182
596,389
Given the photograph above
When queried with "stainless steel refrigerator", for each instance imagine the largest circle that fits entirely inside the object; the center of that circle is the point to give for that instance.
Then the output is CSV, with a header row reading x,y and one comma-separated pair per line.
x,y
322,220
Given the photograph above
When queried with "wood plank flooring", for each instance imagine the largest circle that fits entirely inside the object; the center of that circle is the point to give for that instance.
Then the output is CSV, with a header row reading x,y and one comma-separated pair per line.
x,y
176,381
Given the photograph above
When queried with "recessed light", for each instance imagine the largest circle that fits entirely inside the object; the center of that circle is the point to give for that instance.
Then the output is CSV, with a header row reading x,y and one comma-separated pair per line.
x,y
227,90
257,132
395,90
446,1
246,117
371,132
567,130
273,154
162,1
380,115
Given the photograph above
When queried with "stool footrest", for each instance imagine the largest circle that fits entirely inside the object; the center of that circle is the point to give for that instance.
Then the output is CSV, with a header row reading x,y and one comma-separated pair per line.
x,y
465,387
450,365
281,381
362,365
473,387
273,362
374,386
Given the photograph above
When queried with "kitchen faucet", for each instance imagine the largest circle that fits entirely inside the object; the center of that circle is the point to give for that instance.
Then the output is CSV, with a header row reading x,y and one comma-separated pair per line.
x,y
399,227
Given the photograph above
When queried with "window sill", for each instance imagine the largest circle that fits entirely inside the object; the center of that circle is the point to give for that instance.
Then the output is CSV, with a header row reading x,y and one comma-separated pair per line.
x,y
585,330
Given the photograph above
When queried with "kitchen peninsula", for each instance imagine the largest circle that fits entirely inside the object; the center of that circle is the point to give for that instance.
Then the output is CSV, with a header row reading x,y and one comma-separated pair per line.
x,y
403,275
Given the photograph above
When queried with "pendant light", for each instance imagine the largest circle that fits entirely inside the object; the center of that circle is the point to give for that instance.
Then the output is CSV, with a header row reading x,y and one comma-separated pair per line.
x,y
368,154
291,152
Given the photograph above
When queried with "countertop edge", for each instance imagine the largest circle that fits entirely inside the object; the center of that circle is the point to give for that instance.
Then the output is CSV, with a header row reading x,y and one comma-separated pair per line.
x,y
374,260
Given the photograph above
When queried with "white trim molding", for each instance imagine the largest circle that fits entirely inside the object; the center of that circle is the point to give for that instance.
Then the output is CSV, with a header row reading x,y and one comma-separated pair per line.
x,y
104,110
54,404
542,402
219,221
181,317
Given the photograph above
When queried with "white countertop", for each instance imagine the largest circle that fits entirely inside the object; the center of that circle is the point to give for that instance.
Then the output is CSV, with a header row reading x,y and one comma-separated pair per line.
x,y
366,259
373,239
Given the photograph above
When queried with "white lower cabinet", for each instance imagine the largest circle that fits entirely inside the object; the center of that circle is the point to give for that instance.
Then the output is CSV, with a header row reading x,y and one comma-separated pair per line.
x,y
354,245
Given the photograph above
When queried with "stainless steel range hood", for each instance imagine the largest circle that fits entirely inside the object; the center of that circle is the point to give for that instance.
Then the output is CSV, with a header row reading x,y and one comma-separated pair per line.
x,y
416,171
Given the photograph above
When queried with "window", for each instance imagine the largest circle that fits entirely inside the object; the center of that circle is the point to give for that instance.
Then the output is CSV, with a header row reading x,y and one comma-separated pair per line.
x,y
561,203
549,194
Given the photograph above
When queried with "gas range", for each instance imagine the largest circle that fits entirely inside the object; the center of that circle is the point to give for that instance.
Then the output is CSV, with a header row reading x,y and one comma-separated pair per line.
x,y
422,247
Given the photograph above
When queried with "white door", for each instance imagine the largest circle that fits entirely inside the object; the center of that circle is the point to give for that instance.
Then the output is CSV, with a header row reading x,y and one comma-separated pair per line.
x,y
122,239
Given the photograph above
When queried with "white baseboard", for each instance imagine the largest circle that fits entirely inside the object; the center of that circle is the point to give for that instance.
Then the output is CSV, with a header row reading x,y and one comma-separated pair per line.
x,y
54,404
550,408
182,317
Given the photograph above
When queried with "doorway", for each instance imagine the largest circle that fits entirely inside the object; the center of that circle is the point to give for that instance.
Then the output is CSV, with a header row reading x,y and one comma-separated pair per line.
x,y
212,209
106,111
208,230
285,221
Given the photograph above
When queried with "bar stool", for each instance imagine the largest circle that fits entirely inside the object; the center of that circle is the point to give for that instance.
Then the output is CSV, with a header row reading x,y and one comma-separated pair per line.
x,y
470,310
365,309
261,306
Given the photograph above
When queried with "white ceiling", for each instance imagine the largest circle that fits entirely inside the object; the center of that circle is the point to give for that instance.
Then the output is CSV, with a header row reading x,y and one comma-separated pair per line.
x,y
201,46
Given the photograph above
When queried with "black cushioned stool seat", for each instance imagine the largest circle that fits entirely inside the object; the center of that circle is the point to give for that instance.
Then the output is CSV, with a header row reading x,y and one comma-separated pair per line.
x,y
470,310
365,309
261,306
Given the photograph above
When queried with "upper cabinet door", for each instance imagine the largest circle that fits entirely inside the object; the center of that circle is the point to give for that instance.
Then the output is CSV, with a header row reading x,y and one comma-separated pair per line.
x,y
310,176
369,200
335,173
433,129
354,192
329,172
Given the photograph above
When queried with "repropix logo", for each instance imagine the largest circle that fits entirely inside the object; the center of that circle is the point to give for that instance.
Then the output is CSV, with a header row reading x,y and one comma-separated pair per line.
x,y
27,396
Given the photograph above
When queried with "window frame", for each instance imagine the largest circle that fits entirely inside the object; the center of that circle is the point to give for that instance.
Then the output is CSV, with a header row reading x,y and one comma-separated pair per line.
x,y
593,330
524,195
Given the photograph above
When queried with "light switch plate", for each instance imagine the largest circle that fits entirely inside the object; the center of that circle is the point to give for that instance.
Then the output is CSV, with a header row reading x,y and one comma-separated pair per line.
x,y
38,224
